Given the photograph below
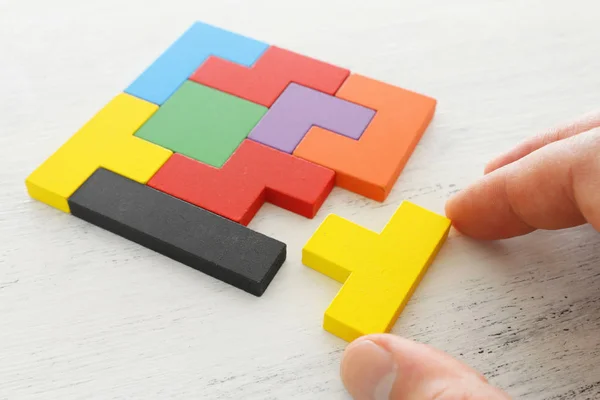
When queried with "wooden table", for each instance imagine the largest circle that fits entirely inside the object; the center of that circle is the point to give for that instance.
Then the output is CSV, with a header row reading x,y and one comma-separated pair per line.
x,y
85,314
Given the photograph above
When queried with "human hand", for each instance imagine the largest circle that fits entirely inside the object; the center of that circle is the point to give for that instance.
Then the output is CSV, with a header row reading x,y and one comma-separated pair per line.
x,y
551,181
388,367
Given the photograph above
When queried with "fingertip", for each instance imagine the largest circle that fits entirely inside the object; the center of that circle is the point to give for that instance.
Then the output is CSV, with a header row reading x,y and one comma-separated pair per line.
x,y
451,204
459,210
493,165
482,210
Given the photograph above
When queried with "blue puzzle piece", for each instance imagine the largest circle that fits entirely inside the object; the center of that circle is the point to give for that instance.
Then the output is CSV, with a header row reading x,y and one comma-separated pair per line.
x,y
161,79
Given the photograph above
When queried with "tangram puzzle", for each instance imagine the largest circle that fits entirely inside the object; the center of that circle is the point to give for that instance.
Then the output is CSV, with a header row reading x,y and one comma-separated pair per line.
x,y
182,160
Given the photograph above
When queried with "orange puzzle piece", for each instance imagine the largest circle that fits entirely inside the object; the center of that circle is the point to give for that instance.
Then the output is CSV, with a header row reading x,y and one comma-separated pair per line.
x,y
270,75
255,173
371,165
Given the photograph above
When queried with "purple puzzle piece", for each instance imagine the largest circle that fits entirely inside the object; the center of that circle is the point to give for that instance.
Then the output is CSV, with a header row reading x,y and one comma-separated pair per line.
x,y
299,108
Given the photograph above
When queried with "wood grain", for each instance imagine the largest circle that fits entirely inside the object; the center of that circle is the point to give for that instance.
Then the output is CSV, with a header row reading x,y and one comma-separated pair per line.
x,y
85,314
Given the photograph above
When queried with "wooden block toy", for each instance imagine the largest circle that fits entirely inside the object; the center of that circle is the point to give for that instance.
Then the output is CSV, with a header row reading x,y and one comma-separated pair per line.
x,y
371,165
299,108
219,123
202,123
379,272
254,174
264,82
173,67
104,141
179,230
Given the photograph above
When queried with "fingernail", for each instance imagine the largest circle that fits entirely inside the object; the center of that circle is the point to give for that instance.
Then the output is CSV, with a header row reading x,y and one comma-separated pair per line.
x,y
368,371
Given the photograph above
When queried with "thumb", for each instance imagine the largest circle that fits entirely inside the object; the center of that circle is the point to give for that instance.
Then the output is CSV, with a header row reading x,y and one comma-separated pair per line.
x,y
378,367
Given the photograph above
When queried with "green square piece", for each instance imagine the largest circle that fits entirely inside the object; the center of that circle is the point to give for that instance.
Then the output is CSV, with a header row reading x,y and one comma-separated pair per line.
x,y
202,123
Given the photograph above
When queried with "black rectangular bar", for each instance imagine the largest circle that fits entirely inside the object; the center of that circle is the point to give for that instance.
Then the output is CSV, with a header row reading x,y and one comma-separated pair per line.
x,y
191,235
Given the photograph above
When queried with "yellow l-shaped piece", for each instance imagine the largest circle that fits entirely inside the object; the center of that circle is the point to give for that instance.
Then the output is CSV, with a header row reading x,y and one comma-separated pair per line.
x,y
379,272
105,141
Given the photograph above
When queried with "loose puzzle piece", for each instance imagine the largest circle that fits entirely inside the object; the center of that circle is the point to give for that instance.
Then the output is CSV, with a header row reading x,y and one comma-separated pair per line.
x,y
254,174
299,108
161,79
371,165
264,82
379,271
220,123
202,123
105,141
179,230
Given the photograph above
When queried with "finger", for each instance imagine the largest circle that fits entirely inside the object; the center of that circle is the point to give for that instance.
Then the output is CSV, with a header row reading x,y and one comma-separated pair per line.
x,y
583,124
555,187
377,367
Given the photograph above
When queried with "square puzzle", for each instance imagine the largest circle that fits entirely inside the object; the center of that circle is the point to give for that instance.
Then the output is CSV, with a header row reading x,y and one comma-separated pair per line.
x,y
220,123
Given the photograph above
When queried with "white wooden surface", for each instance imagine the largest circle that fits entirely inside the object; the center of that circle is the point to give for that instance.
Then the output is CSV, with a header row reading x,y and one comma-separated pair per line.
x,y
85,314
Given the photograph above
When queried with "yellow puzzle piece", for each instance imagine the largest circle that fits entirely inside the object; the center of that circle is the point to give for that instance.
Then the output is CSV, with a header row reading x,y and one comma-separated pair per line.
x,y
379,271
104,141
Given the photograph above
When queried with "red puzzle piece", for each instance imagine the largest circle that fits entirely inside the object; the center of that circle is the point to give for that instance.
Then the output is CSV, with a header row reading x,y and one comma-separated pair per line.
x,y
254,174
270,75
